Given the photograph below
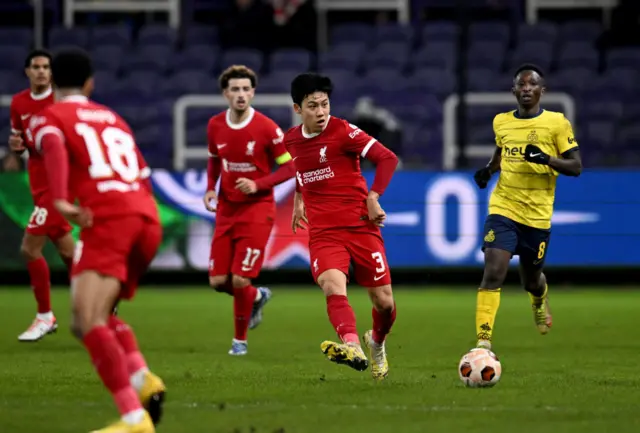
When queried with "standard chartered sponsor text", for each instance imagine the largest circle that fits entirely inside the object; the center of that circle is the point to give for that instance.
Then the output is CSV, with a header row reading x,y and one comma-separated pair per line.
x,y
317,175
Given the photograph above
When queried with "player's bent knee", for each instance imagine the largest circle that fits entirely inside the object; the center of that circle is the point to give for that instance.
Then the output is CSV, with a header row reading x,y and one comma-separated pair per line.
x,y
333,282
239,282
218,281
382,298
76,330
30,252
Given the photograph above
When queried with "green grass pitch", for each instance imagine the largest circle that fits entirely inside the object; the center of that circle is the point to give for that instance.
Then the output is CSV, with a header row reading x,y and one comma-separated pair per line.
x,y
582,377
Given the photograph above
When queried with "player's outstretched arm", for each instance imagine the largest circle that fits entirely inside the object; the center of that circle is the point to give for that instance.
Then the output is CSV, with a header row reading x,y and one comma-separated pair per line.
x,y
285,172
16,143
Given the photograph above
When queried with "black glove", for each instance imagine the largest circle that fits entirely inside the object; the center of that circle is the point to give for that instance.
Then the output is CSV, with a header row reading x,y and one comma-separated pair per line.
x,y
532,153
482,177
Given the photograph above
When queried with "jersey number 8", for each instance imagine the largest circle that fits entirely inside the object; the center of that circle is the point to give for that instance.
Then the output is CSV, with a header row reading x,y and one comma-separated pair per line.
x,y
121,157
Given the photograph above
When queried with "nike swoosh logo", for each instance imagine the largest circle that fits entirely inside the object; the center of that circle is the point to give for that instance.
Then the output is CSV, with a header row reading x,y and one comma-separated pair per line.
x,y
220,146
25,116
294,158
380,277
533,154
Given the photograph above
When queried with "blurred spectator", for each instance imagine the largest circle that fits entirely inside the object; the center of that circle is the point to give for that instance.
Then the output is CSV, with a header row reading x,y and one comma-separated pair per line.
x,y
379,123
11,163
248,24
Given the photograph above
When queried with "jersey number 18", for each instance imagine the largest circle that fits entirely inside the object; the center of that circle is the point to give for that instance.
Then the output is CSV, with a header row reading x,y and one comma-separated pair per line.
x,y
120,158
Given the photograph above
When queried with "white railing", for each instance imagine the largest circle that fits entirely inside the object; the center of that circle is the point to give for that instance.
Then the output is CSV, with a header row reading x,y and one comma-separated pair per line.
x,y
171,7
182,152
323,7
534,7
451,149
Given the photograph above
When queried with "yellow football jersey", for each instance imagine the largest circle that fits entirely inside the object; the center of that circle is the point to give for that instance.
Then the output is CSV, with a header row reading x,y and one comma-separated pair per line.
x,y
525,191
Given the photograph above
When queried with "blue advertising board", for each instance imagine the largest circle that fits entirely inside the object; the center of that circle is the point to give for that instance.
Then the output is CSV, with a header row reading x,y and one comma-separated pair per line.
x,y
436,219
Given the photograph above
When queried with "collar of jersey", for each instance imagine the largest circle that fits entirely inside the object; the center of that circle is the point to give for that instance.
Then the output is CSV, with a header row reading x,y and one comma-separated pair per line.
x,y
43,95
75,98
315,134
242,124
517,116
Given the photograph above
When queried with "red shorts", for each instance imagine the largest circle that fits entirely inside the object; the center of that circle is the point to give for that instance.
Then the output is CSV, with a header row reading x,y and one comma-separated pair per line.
x,y
238,249
121,247
336,251
45,220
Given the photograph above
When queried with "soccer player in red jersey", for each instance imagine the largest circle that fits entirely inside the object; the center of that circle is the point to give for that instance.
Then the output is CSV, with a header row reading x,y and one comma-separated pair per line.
x,y
343,218
45,222
243,146
89,148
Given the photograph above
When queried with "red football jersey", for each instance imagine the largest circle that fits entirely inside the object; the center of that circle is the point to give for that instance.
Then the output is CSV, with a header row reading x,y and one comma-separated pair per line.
x,y
248,150
328,173
105,164
24,105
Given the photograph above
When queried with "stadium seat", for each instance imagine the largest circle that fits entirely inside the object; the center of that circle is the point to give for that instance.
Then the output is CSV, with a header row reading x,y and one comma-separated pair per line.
x,y
545,32
537,52
393,32
157,35
442,31
578,55
351,32
390,55
345,56
623,58
76,36
487,80
119,35
437,81
279,81
492,31
19,37
488,55
196,58
253,59
580,31
291,58
571,80
439,55
152,58
200,35
108,57
12,58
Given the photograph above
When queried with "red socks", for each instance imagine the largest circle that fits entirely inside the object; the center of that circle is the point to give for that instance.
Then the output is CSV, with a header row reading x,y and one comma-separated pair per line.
x,y
127,339
110,362
382,323
243,299
40,283
342,318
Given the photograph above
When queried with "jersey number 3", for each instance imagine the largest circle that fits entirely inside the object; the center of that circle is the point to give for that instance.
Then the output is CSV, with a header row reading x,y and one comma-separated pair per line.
x,y
111,152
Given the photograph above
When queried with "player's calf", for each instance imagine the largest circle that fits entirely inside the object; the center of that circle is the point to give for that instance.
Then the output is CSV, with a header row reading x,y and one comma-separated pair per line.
x,y
221,284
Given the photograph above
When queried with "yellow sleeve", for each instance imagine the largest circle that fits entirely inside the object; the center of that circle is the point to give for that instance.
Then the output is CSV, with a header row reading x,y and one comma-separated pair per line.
x,y
495,132
285,157
565,139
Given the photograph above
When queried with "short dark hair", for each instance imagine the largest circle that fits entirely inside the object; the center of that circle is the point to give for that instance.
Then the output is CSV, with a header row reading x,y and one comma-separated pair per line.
x,y
306,84
529,67
36,53
236,72
71,68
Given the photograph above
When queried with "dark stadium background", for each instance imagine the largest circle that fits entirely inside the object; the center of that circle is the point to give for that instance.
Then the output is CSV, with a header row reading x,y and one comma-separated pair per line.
x,y
407,59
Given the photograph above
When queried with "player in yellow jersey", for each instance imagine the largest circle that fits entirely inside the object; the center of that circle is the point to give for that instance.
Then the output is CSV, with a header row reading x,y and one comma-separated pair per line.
x,y
533,147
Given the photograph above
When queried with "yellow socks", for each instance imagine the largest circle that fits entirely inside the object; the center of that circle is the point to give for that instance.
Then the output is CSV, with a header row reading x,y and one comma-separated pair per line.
x,y
486,309
538,300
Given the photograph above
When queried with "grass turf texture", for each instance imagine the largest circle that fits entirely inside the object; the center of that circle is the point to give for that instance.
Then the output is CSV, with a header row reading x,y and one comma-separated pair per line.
x,y
582,377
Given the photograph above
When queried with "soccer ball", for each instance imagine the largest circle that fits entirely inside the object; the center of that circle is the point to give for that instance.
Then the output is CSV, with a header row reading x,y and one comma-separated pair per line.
x,y
479,368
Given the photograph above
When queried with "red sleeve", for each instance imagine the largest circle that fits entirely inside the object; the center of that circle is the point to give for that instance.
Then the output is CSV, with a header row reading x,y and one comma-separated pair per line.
x,y
285,172
386,162
56,160
16,122
356,140
214,168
